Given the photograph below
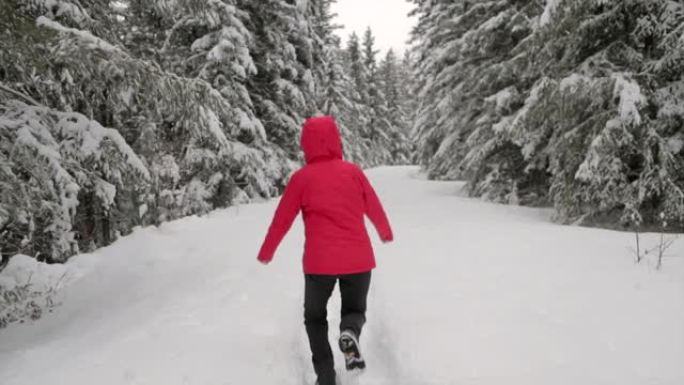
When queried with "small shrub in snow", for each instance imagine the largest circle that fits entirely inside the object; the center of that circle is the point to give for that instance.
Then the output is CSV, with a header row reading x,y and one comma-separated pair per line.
x,y
660,250
28,289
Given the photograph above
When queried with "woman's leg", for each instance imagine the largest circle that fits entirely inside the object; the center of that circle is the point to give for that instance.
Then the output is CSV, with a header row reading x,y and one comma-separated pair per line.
x,y
354,291
318,289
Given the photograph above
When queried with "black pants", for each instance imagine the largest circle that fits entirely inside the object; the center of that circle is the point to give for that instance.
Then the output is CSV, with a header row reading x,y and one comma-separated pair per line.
x,y
318,288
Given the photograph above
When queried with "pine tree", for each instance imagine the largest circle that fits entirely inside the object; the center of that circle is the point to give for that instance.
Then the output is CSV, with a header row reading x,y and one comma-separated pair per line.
x,y
283,88
79,169
50,163
380,128
619,65
408,102
176,115
207,41
339,100
575,109
116,114
358,112
396,107
357,72
457,68
325,46
374,97
437,27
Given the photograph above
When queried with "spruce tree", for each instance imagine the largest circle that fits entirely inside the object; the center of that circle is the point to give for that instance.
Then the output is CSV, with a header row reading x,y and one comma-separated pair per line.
x,y
569,104
283,86
179,112
127,113
379,128
394,80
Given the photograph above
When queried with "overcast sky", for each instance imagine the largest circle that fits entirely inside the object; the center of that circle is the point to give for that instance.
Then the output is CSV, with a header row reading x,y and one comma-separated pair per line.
x,y
388,19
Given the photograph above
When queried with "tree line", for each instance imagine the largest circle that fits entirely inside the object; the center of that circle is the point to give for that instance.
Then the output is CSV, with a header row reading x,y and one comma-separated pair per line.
x,y
117,114
574,104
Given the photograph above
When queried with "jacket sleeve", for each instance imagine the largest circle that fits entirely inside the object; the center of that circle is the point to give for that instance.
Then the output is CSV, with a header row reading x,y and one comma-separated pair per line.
x,y
374,210
285,214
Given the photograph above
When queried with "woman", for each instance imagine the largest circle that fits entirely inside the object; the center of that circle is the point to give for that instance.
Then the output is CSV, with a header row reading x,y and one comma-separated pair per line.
x,y
333,196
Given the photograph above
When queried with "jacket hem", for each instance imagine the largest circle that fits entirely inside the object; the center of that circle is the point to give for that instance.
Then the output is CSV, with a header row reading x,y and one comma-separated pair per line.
x,y
339,272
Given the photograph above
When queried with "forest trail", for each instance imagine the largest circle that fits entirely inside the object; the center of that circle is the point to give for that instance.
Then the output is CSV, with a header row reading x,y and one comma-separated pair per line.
x,y
470,293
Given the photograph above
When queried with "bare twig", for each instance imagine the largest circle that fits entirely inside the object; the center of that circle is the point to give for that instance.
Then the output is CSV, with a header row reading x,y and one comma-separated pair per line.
x,y
638,250
664,245
659,250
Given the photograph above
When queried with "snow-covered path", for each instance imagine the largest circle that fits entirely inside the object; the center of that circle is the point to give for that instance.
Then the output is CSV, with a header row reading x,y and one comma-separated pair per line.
x,y
470,294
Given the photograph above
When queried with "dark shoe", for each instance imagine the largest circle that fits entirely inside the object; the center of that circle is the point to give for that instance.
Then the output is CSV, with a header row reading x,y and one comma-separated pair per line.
x,y
349,345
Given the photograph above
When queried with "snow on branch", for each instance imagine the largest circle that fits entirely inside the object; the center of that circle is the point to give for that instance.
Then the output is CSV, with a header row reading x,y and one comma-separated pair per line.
x,y
18,94
61,8
631,99
91,41
549,10
92,135
64,153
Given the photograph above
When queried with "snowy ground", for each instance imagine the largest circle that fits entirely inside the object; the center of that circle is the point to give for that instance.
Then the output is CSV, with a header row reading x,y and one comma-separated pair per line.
x,y
469,294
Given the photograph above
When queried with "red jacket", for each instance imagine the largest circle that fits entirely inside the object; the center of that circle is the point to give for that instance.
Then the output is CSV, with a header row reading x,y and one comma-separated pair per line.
x,y
333,196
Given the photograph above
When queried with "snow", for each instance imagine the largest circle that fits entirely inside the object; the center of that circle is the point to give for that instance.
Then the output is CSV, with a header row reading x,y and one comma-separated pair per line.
x,y
92,135
194,198
250,124
27,136
4,216
502,125
302,5
495,22
517,120
58,8
503,98
221,52
142,210
241,152
203,43
469,293
29,287
33,135
237,35
91,41
66,77
23,269
572,83
549,9
675,144
631,98
106,192
127,96
669,98
167,168
586,170
213,125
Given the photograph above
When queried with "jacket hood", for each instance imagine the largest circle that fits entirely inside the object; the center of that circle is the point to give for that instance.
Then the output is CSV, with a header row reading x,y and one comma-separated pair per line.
x,y
321,139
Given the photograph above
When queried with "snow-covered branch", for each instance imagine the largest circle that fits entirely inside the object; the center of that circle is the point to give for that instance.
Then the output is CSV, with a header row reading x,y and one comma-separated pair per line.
x,y
18,94
91,41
